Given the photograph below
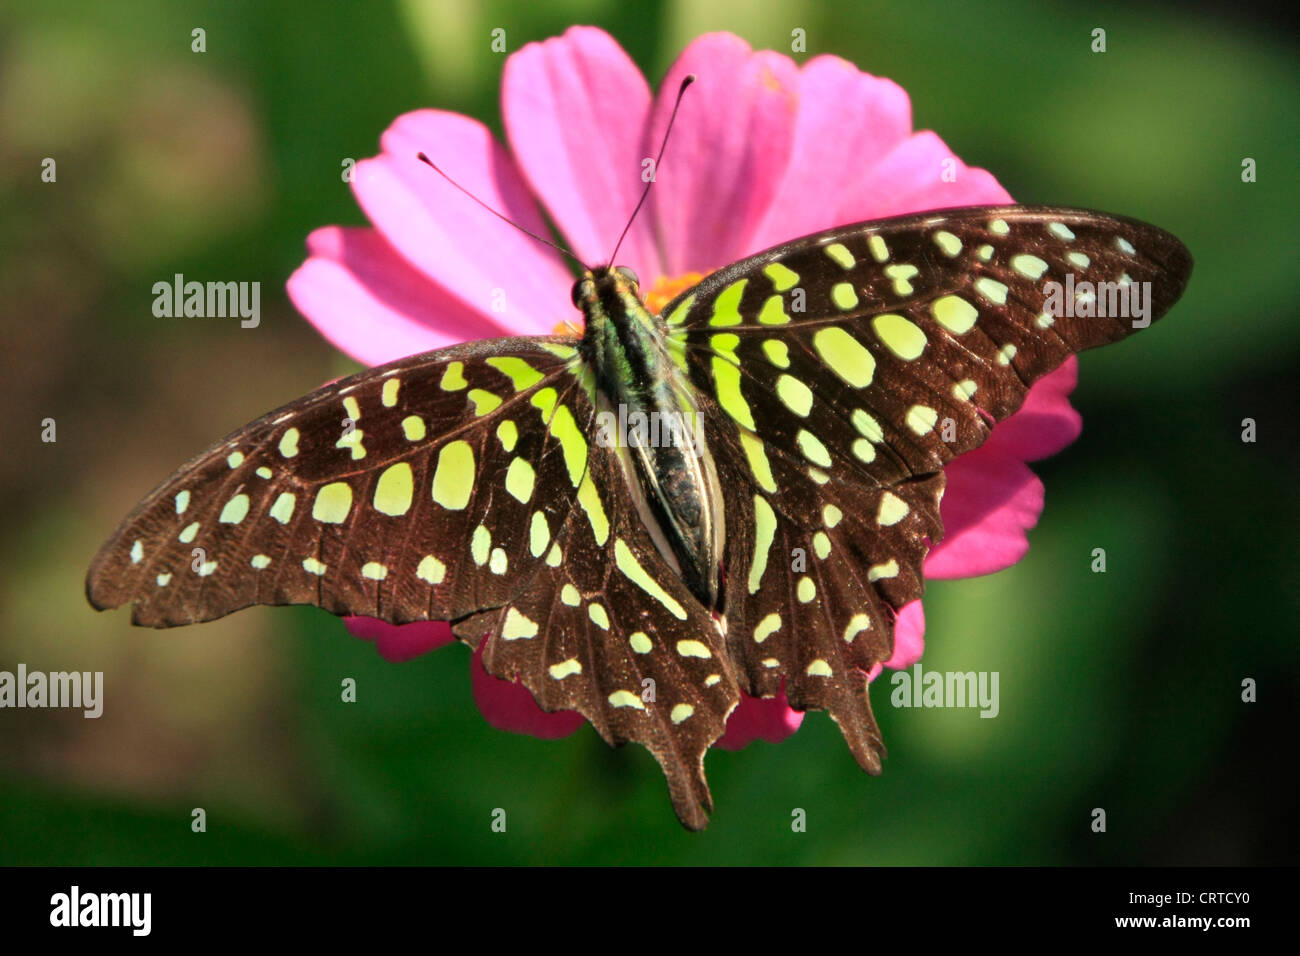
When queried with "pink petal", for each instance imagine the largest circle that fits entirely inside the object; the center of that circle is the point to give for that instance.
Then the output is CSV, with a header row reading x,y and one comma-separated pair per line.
x,y
991,501
729,149
909,639
401,642
911,179
486,263
575,110
508,705
367,300
909,636
756,718
847,121
1046,422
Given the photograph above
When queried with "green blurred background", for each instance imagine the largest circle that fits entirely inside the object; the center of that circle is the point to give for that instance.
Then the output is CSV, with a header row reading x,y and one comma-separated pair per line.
x,y
1120,691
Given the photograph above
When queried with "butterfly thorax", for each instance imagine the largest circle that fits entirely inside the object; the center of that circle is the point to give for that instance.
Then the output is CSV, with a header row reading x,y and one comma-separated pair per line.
x,y
654,424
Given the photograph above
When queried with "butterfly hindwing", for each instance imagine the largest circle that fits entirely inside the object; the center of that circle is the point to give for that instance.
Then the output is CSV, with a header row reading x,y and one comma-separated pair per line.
x,y
617,636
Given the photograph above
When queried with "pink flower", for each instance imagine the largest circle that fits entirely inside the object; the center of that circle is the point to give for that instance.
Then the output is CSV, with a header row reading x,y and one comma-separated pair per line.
x,y
764,151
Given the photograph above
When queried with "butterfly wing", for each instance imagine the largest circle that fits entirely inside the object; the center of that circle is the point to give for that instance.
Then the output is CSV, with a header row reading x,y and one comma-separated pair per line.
x,y
457,485
842,371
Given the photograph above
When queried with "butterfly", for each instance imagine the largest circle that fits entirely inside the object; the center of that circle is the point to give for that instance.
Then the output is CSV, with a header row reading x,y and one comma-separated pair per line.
x,y
645,519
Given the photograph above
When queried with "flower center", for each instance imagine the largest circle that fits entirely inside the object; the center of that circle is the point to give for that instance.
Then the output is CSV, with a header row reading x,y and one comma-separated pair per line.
x,y
664,290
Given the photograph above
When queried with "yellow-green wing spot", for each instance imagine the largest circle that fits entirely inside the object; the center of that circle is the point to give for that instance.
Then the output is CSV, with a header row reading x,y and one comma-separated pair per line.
x,y
840,255
395,489
480,545
764,534
282,509
453,377
518,626
413,428
484,401
756,455
333,503
453,476
777,352
520,478
726,379
921,419
783,278
539,534
773,312
795,395
679,314
430,569
900,336
844,296
508,434
521,374
767,627
845,356
955,314
234,511
566,431
991,289
902,276
626,562
947,242
589,501
1031,267
726,307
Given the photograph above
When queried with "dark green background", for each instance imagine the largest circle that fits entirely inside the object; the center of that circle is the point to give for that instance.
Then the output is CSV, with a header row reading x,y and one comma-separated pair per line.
x,y
1119,691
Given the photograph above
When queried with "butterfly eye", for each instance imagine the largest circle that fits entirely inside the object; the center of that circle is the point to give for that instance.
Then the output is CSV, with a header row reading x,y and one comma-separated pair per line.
x,y
579,291
628,274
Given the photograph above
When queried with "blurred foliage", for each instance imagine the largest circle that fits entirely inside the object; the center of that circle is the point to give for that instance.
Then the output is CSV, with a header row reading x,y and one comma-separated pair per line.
x,y
1119,691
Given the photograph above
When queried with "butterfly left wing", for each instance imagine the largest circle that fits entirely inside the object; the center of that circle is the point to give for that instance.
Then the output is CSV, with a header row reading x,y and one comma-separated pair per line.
x,y
457,485
418,490
839,373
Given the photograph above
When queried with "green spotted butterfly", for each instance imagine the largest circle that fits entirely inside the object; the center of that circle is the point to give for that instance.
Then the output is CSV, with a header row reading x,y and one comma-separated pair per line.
x,y
810,397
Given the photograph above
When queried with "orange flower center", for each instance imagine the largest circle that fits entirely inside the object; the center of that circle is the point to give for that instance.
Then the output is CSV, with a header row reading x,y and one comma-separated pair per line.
x,y
664,290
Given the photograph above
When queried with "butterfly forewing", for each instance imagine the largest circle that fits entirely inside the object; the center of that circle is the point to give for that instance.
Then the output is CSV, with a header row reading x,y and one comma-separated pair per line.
x,y
407,492
845,369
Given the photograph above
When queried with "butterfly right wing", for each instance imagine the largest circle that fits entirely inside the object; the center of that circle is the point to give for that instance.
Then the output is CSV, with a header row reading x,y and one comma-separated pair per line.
x,y
839,373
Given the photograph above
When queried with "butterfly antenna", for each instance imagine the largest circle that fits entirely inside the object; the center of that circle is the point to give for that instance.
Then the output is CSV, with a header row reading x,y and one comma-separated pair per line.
x,y
689,79
432,165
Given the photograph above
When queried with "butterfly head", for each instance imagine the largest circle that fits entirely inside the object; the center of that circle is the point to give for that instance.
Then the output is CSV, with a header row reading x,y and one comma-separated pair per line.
x,y
606,288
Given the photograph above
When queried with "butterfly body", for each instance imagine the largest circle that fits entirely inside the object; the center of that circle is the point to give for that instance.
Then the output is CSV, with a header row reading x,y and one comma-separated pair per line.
x,y
672,474
646,584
